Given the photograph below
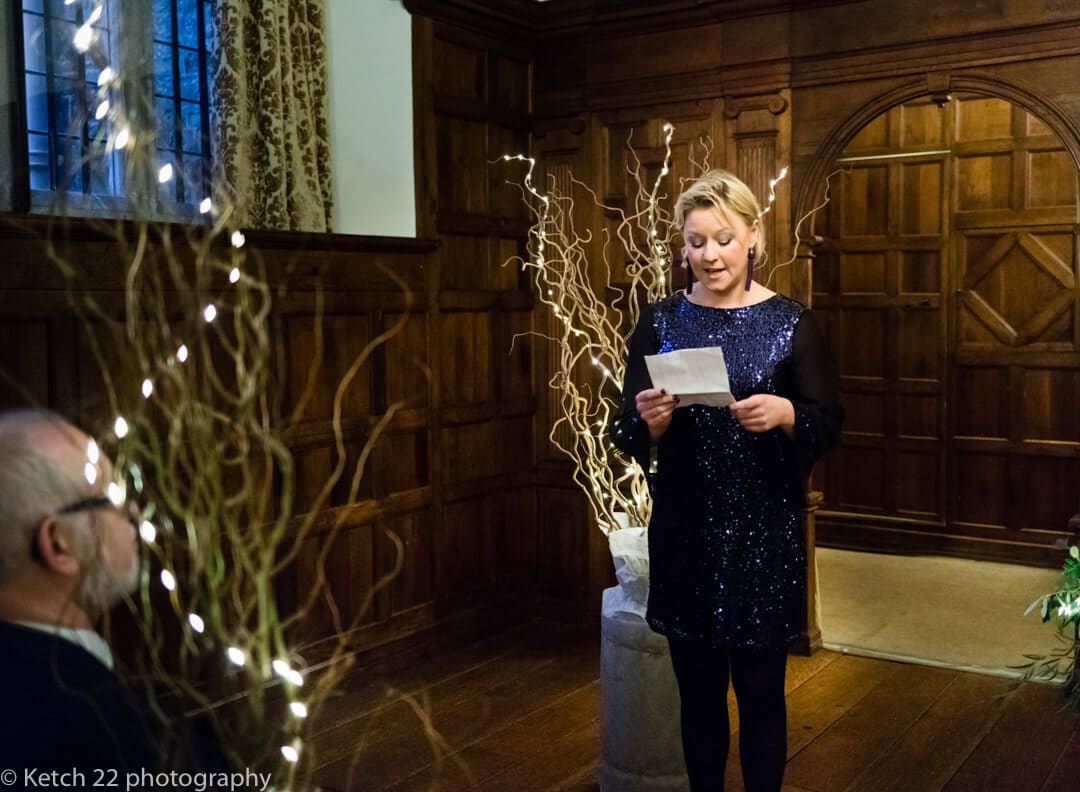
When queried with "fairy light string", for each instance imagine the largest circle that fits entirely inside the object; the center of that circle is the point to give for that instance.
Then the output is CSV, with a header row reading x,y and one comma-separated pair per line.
x,y
199,453
589,329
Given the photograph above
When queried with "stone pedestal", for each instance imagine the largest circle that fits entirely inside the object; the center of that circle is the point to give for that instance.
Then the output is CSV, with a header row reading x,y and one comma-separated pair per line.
x,y
641,748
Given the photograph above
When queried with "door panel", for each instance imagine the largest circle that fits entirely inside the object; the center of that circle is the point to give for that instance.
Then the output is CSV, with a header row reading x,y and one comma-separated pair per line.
x,y
949,287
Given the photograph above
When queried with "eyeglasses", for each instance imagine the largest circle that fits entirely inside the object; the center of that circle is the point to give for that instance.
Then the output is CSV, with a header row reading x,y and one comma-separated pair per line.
x,y
87,504
98,502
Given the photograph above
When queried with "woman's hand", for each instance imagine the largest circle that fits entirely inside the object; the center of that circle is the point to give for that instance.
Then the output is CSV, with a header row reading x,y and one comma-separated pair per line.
x,y
656,408
762,412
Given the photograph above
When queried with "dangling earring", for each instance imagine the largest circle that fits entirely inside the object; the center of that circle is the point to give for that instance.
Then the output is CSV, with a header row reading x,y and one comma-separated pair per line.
x,y
749,268
689,275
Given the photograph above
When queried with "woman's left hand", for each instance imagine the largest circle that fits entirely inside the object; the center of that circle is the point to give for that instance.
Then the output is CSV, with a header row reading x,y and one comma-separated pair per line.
x,y
762,412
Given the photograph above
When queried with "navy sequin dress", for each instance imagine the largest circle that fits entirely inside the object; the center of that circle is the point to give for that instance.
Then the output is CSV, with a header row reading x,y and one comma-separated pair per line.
x,y
727,557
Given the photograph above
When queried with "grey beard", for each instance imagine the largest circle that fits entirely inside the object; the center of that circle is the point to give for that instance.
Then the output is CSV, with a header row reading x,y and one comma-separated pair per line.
x,y
101,588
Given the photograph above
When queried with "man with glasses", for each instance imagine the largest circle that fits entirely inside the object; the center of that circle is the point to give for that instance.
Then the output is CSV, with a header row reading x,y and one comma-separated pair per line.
x,y
67,555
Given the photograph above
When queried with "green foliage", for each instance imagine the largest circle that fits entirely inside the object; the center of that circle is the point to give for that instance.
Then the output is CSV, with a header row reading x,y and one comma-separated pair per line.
x,y
1063,606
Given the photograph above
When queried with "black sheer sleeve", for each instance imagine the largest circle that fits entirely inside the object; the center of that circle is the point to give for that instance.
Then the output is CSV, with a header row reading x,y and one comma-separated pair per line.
x,y
818,413
629,432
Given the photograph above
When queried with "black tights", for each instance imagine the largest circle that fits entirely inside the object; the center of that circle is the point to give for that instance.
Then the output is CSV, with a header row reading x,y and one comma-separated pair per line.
x,y
758,677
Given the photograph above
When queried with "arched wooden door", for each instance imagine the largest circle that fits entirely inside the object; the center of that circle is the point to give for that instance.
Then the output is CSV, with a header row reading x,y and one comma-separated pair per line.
x,y
948,281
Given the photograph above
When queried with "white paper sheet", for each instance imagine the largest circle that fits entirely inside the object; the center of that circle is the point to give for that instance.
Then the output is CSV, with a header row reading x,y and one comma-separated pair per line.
x,y
696,376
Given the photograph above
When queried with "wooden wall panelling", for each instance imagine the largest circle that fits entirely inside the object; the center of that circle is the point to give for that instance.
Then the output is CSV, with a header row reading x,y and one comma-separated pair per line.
x,y
699,137
754,56
517,540
467,550
342,339
425,166
562,550
414,586
395,487
349,568
27,377
62,363
758,144
568,581
480,101
360,300
952,225
1016,295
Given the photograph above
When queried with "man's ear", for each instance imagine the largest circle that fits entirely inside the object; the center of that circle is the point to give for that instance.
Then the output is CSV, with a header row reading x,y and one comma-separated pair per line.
x,y
55,548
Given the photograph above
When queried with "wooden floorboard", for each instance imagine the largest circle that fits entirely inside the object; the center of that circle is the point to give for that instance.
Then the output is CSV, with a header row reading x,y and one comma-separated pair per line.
x,y
869,729
519,712
1031,710
1066,768
458,711
929,753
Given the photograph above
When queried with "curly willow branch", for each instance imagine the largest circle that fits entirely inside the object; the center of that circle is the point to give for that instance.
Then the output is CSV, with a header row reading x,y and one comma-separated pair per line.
x,y
190,355
201,450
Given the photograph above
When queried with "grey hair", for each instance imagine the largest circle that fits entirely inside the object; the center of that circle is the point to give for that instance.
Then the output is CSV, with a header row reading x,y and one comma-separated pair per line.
x,y
31,483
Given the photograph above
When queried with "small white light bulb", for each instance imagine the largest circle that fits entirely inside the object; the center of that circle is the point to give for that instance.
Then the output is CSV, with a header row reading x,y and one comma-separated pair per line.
x,y
237,239
281,668
147,388
90,472
115,493
236,656
182,353
209,313
165,173
234,275
147,531
291,754
123,138
196,622
298,709
168,580
102,109
93,453
84,37
108,74
205,205
120,427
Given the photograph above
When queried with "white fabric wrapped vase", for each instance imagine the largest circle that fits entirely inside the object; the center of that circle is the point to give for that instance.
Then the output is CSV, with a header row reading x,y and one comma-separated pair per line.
x,y
641,748
630,552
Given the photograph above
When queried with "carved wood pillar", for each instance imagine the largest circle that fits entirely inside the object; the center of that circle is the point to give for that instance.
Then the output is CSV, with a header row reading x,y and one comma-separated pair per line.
x,y
755,164
759,148
809,639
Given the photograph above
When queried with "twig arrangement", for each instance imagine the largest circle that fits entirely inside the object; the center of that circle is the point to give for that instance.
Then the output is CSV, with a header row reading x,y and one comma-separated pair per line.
x,y
189,368
190,360
589,327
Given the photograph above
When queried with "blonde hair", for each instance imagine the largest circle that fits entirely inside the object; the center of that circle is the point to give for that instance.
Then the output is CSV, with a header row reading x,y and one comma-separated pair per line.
x,y
718,189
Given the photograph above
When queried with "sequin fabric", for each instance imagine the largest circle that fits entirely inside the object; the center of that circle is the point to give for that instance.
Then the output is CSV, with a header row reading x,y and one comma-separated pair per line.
x,y
727,558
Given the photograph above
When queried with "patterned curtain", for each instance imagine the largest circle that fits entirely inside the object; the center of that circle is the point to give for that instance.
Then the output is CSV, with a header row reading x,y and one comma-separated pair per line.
x,y
270,117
